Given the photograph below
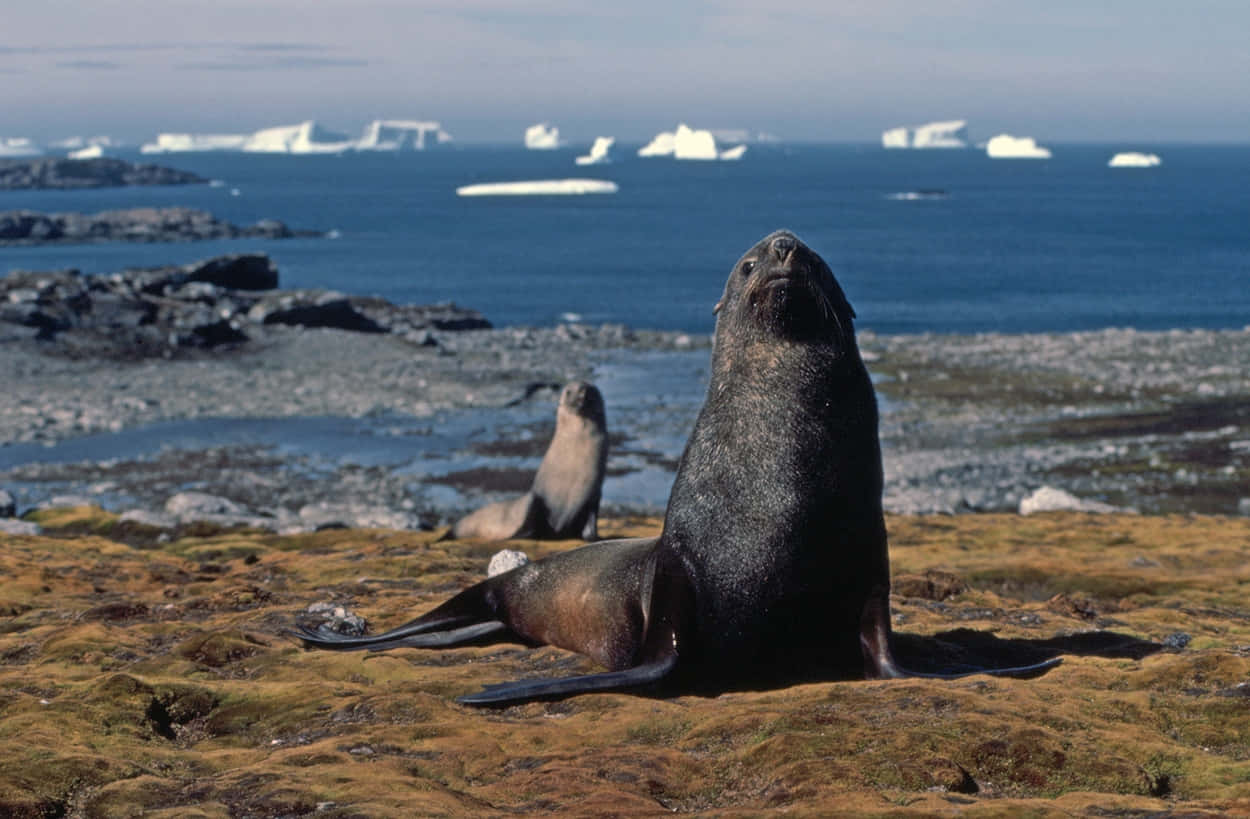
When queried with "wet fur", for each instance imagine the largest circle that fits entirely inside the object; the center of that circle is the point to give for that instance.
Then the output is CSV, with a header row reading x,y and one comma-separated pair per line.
x,y
563,501
772,564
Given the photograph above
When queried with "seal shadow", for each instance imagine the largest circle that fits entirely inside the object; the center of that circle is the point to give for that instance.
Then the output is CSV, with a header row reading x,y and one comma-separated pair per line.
x,y
966,649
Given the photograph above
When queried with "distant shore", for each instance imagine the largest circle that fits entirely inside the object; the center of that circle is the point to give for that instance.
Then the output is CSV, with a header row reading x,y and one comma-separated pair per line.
x,y
1156,422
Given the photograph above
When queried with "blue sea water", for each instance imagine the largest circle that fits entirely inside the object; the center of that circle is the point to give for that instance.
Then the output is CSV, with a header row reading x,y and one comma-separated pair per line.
x,y
1053,245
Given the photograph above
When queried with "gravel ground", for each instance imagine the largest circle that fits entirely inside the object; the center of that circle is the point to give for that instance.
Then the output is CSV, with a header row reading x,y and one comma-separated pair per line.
x,y
1158,422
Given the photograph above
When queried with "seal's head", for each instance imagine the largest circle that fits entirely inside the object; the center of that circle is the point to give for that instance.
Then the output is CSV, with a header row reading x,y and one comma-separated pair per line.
x,y
781,288
583,400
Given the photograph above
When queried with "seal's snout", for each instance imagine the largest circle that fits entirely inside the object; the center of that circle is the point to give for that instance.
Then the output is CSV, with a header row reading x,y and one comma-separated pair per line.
x,y
783,246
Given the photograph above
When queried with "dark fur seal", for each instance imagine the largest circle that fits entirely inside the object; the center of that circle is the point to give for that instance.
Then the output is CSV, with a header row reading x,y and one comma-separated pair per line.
x,y
564,499
773,560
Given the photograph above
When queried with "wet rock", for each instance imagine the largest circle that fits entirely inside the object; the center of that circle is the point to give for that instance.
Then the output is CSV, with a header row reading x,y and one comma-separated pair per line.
x,y
312,308
1177,640
12,526
327,515
338,619
188,506
240,271
506,560
145,517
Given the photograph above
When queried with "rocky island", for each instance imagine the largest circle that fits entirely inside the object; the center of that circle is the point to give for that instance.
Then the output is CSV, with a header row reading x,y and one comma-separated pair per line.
x,y
54,173
171,224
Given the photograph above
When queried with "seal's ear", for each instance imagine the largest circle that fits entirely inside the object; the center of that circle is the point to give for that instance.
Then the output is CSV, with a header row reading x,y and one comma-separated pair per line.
x,y
718,306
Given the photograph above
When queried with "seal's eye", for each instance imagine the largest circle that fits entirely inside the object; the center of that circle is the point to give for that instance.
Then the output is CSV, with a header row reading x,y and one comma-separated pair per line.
x,y
748,266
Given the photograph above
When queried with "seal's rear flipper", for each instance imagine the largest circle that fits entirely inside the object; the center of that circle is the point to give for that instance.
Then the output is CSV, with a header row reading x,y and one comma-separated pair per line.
x,y
525,690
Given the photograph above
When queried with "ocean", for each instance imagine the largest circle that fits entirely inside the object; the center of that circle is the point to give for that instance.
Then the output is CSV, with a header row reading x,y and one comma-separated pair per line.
x,y
922,241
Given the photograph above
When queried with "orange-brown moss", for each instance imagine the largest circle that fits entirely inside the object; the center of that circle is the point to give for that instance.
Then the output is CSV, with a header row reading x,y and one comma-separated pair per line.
x,y
153,678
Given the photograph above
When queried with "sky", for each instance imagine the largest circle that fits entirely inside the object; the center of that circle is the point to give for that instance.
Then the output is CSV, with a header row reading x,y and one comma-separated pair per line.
x,y
803,70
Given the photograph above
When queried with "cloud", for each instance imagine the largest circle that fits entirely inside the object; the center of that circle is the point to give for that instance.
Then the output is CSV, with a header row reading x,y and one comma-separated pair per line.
x,y
282,63
89,65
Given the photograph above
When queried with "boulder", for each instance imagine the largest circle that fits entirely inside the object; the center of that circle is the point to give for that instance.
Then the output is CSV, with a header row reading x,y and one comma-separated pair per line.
x,y
239,271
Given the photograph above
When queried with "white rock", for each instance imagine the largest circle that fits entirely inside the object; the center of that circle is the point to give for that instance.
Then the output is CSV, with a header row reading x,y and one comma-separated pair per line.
x,y
1050,499
505,561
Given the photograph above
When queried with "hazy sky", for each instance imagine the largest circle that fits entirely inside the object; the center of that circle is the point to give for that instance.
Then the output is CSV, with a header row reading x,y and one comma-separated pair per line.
x,y
1142,70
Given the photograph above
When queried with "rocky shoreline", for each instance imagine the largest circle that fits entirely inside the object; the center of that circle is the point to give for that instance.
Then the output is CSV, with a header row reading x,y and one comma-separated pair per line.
x,y
53,173
1153,422
173,224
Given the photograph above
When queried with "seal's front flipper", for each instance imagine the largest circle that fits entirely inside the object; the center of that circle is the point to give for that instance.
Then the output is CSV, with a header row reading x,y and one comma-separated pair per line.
x,y
400,638
468,616
525,690
879,663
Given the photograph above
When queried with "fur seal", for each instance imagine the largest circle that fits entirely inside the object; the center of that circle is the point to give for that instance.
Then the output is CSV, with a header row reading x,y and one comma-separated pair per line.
x,y
772,563
563,501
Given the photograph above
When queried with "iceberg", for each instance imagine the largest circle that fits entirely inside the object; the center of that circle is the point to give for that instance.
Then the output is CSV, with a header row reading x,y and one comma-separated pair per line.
x,y
662,144
89,152
692,144
689,143
1006,146
308,138
542,137
600,152
17,147
1134,159
305,138
183,143
539,187
399,135
946,134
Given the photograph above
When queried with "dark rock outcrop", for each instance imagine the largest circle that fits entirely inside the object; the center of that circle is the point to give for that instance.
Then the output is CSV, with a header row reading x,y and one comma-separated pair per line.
x,y
174,224
103,172
221,301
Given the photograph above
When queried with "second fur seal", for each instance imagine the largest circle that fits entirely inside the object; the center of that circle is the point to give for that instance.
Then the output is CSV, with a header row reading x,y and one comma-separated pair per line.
x,y
772,564
563,501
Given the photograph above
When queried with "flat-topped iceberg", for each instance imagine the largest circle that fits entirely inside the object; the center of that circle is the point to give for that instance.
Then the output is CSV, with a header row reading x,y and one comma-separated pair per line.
x,y
400,135
307,138
539,187
17,147
542,137
1006,146
688,143
600,152
172,143
1134,159
945,134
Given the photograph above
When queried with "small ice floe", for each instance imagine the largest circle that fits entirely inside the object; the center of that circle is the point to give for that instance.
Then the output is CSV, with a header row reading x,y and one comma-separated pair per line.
x,y
918,196
1134,159
539,187
334,233
235,192
217,183
1050,499
505,561
571,318
1006,146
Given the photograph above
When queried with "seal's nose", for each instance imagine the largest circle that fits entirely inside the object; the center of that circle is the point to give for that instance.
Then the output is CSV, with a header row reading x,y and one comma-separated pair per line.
x,y
783,246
